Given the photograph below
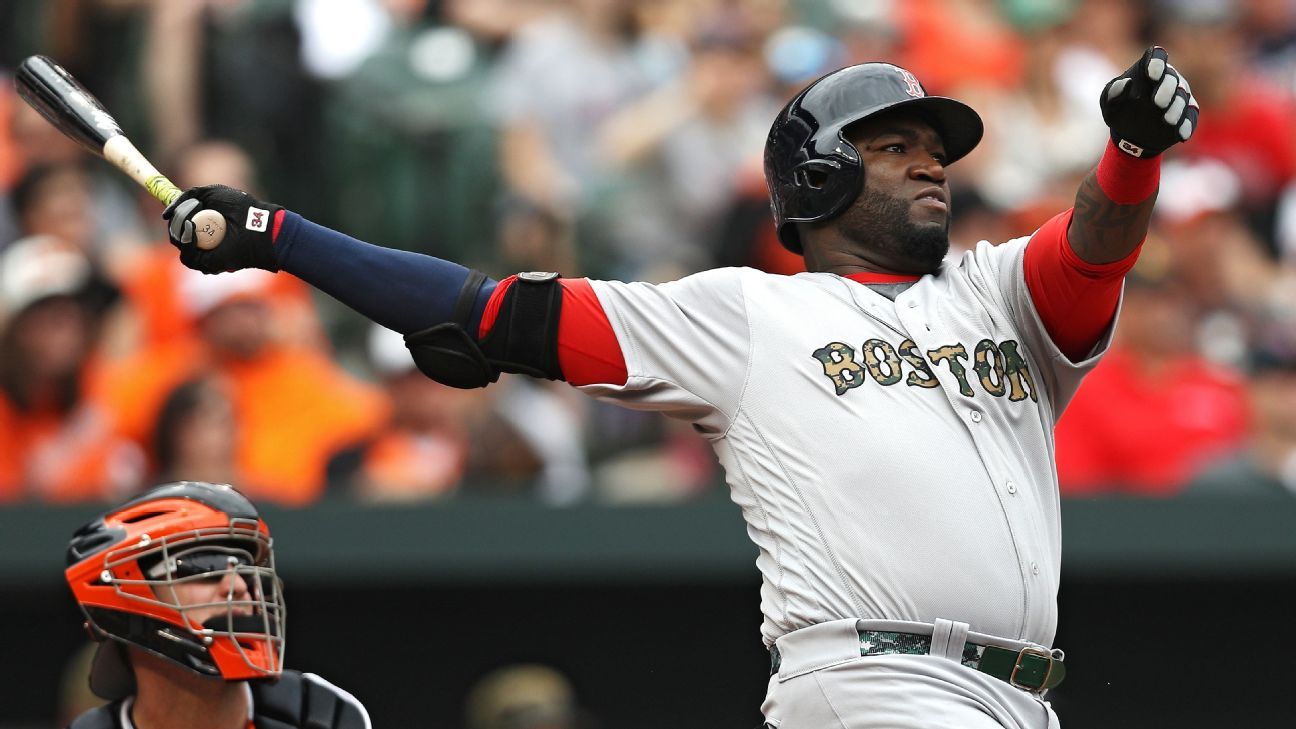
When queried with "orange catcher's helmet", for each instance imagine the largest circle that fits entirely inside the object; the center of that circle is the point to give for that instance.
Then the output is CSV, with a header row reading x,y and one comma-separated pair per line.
x,y
186,572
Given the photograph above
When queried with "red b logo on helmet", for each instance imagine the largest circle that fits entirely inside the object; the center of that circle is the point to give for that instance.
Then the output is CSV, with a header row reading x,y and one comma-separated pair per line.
x,y
915,89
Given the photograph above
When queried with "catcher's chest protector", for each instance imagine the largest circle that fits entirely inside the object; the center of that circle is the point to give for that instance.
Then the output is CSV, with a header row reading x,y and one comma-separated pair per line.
x,y
295,701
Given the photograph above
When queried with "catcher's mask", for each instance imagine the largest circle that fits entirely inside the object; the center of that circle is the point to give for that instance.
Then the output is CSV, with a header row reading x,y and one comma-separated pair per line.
x,y
186,572
814,172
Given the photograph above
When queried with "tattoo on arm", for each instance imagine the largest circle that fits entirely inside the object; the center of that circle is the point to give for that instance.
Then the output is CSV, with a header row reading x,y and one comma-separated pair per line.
x,y
1103,231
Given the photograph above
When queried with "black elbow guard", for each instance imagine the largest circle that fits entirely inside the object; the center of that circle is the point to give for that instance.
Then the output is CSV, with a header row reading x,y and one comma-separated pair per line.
x,y
524,338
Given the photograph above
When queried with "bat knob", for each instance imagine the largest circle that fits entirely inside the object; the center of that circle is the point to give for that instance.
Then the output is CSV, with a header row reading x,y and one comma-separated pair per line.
x,y
209,229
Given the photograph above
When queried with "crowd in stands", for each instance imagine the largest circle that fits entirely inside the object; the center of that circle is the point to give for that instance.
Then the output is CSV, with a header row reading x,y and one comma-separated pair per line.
x,y
604,138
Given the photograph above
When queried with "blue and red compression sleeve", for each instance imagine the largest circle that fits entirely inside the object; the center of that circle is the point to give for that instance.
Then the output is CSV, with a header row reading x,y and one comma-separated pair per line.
x,y
409,292
403,291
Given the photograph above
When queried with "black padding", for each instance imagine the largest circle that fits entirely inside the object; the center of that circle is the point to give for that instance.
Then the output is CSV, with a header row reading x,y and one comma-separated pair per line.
x,y
278,703
524,338
100,717
154,635
319,711
349,717
447,354
296,702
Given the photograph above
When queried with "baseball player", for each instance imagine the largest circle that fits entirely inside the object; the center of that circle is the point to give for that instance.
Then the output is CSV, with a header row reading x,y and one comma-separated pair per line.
x,y
179,587
884,420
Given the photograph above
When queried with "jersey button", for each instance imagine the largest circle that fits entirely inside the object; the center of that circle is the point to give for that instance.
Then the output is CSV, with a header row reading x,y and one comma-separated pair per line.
x,y
1012,487
975,415
913,304
1034,568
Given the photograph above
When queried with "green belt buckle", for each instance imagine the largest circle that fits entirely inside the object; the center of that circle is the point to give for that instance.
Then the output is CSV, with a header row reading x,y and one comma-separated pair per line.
x,y
1031,669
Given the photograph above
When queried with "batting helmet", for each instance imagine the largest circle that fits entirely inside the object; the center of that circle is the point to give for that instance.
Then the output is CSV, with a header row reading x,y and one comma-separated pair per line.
x,y
813,172
132,569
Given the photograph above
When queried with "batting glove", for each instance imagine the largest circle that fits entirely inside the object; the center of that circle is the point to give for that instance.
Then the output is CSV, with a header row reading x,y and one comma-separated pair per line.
x,y
1149,107
249,225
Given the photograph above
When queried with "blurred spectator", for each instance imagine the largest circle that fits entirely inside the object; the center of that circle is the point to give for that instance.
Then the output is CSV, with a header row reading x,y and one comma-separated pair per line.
x,y
989,53
1268,464
406,123
1104,35
196,435
533,238
524,439
1039,140
1270,27
422,451
1227,270
61,190
294,408
682,151
233,69
55,199
561,78
57,444
1153,413
524,696
1250,126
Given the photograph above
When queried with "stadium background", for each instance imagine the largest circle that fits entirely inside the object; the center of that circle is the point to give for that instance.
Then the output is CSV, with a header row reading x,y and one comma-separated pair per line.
x,y
430,536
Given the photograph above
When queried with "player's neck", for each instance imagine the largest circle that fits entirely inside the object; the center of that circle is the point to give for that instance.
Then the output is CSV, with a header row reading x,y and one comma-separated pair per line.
x,y
168,696
829,250
846,262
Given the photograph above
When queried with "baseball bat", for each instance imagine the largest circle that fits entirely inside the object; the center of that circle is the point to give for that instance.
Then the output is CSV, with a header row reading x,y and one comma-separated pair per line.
x,y
66,104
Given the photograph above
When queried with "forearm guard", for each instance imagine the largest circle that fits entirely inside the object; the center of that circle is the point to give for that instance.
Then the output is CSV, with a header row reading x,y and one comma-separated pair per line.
x,y
523,340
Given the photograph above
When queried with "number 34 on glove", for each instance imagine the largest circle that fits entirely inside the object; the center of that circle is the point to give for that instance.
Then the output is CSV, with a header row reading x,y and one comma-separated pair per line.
x,y
1149,107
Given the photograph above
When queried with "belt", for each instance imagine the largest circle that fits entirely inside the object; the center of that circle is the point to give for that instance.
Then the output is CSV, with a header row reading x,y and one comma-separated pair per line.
x,y
1030,669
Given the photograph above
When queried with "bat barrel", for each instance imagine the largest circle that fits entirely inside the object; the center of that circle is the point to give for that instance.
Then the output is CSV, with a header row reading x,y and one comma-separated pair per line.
x,y
65,103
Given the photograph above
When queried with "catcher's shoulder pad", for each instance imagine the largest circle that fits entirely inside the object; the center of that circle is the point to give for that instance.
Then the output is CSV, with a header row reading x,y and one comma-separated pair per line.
x,y
305,701
100,717
524,338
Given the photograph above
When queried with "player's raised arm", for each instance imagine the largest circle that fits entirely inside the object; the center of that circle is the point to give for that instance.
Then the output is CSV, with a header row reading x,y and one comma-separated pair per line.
x,y
1148,108
463,328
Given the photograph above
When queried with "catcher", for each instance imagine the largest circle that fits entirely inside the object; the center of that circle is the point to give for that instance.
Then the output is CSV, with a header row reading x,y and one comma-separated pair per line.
x,y
179,588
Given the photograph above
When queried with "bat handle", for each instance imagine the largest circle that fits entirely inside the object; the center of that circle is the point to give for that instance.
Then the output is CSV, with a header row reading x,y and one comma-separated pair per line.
x,y
209,225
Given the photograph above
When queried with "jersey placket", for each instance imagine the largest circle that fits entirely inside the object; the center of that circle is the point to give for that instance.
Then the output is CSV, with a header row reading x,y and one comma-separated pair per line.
x,y
927,334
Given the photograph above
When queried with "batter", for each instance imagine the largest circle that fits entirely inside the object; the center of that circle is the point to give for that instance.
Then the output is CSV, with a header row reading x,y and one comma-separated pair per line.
x,y
884,421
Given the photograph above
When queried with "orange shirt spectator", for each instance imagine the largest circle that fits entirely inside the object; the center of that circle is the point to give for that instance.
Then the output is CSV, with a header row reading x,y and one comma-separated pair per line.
x,y
294,407
55,440
58,457
151,287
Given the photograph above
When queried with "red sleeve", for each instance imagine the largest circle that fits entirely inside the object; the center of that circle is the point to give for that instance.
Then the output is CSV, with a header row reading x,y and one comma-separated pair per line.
x,y
588,351
1075,300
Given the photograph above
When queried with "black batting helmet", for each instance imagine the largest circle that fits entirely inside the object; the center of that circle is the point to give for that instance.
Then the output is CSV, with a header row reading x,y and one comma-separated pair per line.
x,y
813,172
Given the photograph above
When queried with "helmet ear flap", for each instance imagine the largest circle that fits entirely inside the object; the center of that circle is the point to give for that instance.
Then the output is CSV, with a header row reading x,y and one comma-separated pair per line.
x,y
815,174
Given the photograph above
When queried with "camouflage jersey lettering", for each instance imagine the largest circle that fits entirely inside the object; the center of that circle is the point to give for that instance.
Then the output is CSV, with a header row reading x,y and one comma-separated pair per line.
x,y
998,368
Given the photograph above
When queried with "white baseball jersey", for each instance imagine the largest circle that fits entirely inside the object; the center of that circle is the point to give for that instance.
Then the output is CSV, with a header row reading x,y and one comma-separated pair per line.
x,y
893,459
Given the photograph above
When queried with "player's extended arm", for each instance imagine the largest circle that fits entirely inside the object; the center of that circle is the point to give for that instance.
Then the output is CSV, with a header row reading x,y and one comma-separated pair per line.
x,y
1075,263
1148,108
462,327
